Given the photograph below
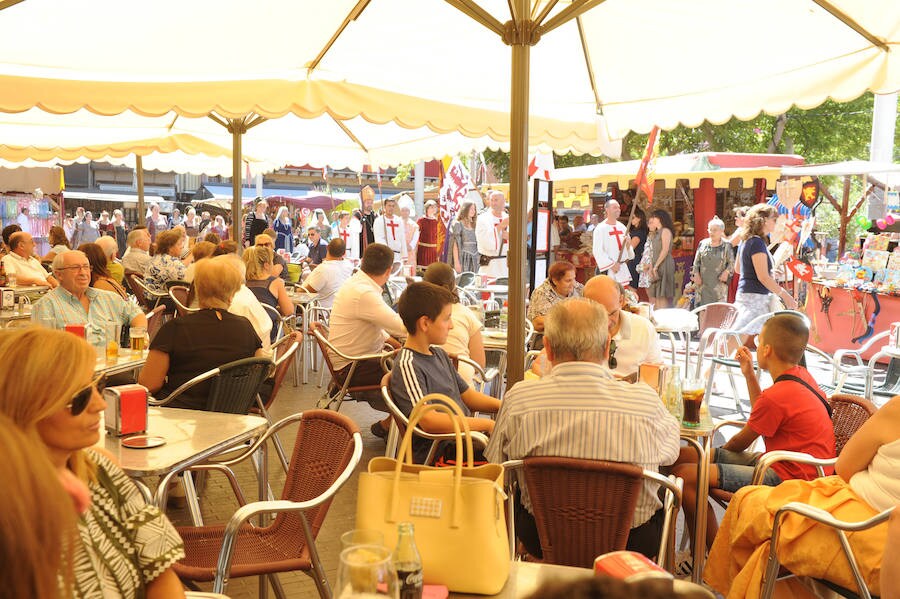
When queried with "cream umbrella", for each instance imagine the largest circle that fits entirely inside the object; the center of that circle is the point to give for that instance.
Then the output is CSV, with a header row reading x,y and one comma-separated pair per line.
x,y
636,62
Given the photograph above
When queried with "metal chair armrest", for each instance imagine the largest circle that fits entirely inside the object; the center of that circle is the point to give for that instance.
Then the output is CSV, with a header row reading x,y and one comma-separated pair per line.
x,y
162,491
724,423
767,459
823,517
205,376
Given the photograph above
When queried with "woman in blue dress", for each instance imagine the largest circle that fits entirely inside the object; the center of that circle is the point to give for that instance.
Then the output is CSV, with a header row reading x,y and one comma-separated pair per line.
x,y
284,229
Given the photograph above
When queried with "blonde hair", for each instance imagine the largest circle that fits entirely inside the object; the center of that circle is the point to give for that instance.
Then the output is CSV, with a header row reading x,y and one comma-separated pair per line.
x,y
256,258
37,556
216,281
25,395
755,221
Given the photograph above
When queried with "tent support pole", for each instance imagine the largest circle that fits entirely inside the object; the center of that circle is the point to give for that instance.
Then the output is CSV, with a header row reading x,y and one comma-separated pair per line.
x,y
139,174
518,200
237,128
845,204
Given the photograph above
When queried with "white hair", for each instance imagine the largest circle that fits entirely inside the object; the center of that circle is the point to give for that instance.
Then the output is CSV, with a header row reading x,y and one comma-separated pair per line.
x,y
59,261
577,330
108,245
715,222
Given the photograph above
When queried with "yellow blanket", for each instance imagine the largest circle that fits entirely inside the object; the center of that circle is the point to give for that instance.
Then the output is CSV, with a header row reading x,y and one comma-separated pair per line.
x,y
738,557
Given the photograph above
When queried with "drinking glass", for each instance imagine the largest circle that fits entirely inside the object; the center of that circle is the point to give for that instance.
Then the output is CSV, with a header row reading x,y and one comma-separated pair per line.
x,y
113,334
137,339
692,392
366,572
361,536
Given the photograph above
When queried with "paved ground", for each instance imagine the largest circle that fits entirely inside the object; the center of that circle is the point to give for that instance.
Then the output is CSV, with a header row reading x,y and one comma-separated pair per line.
x,y
218,504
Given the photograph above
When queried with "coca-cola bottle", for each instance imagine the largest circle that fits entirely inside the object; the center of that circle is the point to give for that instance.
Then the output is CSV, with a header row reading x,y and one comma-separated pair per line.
x,y
2,274
408,562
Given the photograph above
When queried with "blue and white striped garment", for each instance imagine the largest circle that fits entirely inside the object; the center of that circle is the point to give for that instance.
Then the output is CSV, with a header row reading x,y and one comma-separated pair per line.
x,y
580,411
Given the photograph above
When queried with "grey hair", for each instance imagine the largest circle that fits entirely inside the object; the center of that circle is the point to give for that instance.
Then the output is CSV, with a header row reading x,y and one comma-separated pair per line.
x,y
577,330
108,245
135,235
715,222
59,261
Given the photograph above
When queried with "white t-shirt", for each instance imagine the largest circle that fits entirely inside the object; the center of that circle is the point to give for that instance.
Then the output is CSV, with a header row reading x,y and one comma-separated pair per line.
x,y
27,268
327,278
465,325
391,231
245,304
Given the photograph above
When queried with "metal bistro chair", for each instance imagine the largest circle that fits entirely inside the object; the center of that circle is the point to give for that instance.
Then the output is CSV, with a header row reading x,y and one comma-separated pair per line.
x,y
146,297
340,387
858,368
155,319
282,324
718,339
234,385
283,352
584,508
326,452
713,317
179,295
400,422
465,279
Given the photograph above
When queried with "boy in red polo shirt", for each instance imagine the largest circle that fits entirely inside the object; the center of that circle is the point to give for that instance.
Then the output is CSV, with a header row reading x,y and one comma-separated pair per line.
x,y
790,415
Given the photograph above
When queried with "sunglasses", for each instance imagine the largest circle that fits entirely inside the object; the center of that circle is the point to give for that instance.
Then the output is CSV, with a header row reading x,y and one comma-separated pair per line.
x,y
613,363
81,399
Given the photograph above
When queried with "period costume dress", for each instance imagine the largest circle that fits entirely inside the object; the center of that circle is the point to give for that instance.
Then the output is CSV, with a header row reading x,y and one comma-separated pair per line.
x,y
426,252
664,284
709,263
464,239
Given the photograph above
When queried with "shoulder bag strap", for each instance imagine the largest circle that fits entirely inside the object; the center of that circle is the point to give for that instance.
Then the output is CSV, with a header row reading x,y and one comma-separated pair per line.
x,y
797,379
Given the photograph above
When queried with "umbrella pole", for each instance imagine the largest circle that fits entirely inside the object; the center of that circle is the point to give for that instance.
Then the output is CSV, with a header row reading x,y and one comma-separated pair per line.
x,y
518,191
139,175
236,127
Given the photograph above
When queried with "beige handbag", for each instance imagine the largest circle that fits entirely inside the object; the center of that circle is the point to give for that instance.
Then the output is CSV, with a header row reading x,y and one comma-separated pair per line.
x,y
458,512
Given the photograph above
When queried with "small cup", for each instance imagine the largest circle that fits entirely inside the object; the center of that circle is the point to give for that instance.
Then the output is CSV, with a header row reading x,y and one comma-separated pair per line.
x,y
361,536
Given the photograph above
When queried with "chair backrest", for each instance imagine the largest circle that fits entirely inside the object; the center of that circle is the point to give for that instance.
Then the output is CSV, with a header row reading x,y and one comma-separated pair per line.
x,y
399,417
582,508
155,319
234,389
849,412
179,295
284,350
323,449
277,323
465,279
320,334
717,315
135,283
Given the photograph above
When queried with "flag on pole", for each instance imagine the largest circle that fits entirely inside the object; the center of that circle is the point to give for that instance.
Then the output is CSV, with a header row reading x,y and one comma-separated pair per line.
x,y
541,166
454,187
645,178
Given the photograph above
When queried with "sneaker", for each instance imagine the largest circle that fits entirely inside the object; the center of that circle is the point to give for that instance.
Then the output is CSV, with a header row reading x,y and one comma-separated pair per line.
x,y
684,564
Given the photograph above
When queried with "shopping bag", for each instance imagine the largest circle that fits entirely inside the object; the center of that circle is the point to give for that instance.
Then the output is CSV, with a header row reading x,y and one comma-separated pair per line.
x,y
458,513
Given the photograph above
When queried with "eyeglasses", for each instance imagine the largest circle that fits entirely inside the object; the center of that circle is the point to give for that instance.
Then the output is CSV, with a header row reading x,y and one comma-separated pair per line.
x,y
81,399
82,267
613,363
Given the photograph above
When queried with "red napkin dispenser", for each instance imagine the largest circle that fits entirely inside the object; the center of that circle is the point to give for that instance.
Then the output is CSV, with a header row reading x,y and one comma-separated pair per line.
x,y
126,409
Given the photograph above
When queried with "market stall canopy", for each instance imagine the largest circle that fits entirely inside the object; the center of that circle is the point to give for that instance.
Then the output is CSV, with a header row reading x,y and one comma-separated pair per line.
x,y
842,169
48,179
340,57
690,167
220,197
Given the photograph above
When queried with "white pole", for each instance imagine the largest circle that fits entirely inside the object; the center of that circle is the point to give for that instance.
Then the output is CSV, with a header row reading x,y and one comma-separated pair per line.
x,y
419,180
884,118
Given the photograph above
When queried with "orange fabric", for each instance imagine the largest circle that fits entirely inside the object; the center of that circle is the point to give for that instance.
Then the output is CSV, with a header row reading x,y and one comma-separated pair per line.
x,y
738,556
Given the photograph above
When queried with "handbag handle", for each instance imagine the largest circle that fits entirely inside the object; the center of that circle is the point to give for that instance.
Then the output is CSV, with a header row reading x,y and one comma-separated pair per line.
x,y
433,402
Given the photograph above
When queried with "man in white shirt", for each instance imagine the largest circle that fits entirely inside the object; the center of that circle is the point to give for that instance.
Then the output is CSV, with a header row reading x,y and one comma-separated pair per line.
x,y
24,221
390,230
612,248
634,338
21,262
361,322
492,235
328,276
137,256
579,410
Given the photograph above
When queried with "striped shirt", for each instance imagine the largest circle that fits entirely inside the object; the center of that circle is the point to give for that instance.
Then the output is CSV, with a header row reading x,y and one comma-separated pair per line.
x,y
580,411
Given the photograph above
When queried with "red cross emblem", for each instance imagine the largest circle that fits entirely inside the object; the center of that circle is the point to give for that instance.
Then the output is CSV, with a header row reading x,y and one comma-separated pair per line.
x,y
618,235
393,227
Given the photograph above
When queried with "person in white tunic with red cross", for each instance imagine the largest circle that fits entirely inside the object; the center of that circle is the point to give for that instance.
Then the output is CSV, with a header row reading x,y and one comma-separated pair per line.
x,y
492,235
391,231
348,228
609,238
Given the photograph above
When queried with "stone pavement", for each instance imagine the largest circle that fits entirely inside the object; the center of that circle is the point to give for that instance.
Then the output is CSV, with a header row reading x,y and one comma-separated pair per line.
x,y
217,502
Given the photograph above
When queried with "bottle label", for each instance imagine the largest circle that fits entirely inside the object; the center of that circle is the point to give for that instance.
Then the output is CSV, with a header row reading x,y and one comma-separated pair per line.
x,y
411,582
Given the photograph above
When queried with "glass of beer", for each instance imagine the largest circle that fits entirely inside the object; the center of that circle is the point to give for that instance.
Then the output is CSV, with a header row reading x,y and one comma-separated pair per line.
x,y
137,338
113,334
692,391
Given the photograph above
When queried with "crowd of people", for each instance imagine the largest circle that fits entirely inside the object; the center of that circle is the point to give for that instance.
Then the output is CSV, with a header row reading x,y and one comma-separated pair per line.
x,y
110,542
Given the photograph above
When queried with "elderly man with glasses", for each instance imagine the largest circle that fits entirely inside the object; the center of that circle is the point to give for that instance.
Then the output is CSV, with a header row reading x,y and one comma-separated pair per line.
x,y
76,302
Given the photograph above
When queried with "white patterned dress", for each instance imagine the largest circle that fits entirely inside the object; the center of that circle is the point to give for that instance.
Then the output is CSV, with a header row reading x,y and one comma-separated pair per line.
x,y
125,543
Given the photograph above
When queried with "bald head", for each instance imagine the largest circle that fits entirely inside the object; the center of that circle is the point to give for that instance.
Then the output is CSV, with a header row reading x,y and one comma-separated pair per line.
x,y
21,243
605,291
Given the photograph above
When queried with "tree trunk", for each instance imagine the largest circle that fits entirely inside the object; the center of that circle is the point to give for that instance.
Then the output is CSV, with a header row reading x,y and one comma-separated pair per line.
x,y
780,124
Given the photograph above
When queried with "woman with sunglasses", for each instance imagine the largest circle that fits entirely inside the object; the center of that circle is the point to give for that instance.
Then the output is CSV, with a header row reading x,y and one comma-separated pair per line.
x,y
127,546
